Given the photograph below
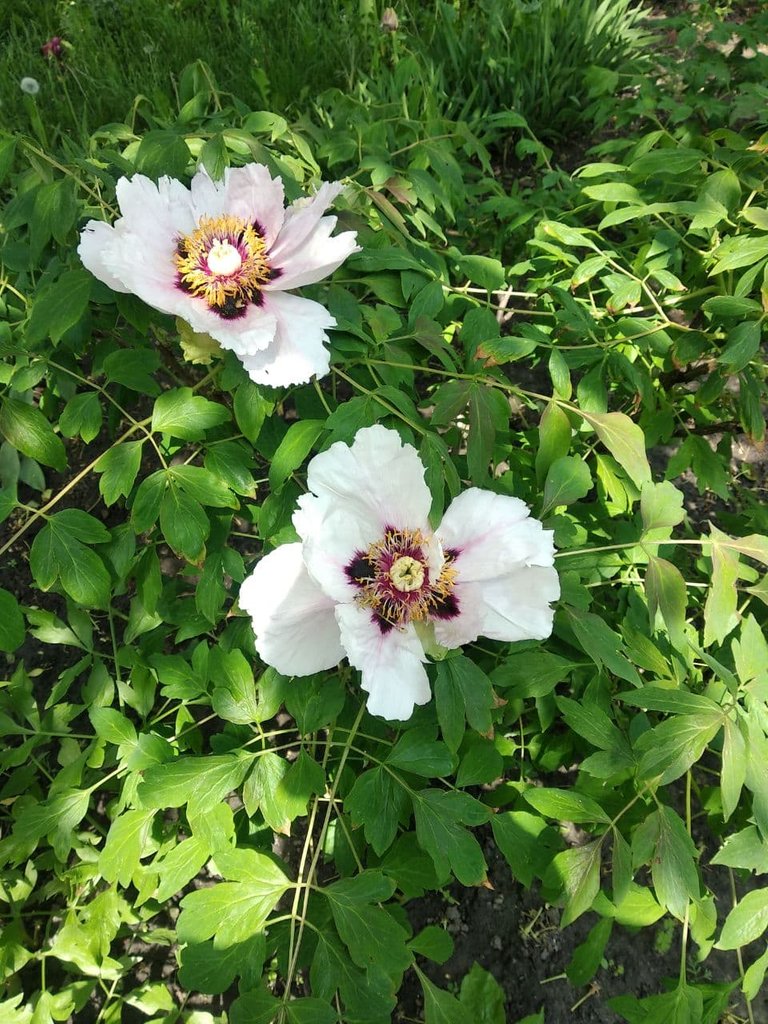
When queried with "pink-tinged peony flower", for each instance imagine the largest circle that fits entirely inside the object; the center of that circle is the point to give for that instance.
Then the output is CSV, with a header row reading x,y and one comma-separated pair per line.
x,y
223,256
371,580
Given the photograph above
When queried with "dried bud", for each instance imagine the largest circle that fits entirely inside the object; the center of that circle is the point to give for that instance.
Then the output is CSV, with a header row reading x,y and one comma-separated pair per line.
x,y
389,20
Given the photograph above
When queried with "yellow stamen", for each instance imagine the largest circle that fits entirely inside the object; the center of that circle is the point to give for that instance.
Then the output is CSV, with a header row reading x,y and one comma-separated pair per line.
x,y
223,261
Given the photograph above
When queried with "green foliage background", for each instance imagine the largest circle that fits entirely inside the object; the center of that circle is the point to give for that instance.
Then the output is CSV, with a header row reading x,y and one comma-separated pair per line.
x,y
588,340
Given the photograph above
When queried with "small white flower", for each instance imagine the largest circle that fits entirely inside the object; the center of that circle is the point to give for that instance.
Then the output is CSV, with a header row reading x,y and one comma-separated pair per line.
x,y
30,86
371,580
222,256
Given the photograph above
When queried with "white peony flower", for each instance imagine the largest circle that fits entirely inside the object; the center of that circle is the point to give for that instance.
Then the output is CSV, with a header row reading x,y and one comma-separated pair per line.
x,y
222,256
372,581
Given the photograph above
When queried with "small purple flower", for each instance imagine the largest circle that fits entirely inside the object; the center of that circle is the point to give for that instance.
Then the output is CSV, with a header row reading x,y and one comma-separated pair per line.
x,y
53,48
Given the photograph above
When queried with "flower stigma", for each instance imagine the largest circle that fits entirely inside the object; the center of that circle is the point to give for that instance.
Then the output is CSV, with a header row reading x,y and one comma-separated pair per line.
x,y
223,261
407,574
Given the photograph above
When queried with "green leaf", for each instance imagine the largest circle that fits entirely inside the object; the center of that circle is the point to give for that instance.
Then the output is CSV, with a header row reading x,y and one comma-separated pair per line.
x,y
742,347
26,429
162,152
578,870
207,969
734,768
179,866
532,673
481,763
184,523
147,502
568,480
565,805
600,643
739,251
462,690
673,864
120,856
442,1008
185,415
377,801
371,935
666,592
483,270
434,943
234,696
256,1007
440,817
625,441
720,608
112,727
200,782
754,976
745,849
661,505
554,439
670,701
483,997
57,816
12,630
527,843
419,752
202,486
587,957
746,922
310,1011
251,409
232,463
281,791
60,306
82,415
668,750
233,911
293,449
133,368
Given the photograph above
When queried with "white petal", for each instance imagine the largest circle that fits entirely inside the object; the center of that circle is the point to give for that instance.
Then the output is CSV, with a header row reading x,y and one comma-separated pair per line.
x,y
246,336
167,205
138,251
252,193
493,534
294,622
391,663
304,251
298,350
377,479
514,606
95,251
332,538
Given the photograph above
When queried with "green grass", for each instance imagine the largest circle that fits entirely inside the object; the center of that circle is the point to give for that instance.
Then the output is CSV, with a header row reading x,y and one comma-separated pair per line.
x,y
123,60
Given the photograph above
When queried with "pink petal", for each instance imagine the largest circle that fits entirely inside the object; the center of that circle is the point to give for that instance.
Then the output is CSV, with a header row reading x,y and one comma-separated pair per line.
x,y
391,663
296,631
